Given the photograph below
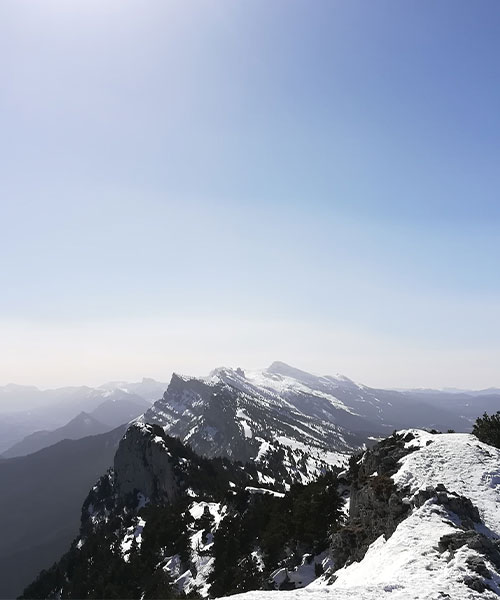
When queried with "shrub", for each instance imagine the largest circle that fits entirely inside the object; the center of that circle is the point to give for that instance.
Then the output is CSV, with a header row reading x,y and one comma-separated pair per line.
x,y
487,429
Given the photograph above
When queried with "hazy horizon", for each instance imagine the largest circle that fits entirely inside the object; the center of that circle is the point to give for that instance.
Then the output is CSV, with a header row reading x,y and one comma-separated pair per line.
x,y
226,183
164,376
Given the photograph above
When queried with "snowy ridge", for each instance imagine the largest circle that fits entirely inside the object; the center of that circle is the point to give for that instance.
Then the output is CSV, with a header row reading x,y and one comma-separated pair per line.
x,y
462,463
416,562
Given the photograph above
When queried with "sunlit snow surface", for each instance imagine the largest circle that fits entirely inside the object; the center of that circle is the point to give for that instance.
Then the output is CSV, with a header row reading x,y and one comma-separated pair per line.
x,y
409,565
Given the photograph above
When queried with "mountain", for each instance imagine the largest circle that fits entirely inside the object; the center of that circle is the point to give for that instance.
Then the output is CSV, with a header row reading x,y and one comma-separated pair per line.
x,y
16,426
81,426
148,389
354,406
282,411
40,504
25,410
360,410
19,397
118,409
228,415
160,523
421,522
468,405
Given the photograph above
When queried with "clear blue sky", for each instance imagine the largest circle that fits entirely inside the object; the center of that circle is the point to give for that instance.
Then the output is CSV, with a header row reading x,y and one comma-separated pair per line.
x,y
185,184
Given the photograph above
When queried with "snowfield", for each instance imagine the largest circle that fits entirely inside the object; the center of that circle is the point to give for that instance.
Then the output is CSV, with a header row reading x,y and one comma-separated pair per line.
x,y
410,565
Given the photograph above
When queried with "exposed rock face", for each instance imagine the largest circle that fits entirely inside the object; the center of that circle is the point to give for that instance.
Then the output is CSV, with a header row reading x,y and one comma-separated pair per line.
x,y
142,464
488,550
376,506
453,502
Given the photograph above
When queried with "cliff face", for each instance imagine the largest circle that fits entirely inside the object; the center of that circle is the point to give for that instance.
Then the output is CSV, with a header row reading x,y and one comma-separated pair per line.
x,y
376,505
143,465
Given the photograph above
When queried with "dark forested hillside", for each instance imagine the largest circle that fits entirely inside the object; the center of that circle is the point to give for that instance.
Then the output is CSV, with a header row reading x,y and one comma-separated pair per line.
x,y
40,504
206,527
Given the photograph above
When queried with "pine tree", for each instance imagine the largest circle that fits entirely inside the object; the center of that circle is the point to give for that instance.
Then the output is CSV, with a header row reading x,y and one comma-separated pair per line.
x,y
487,429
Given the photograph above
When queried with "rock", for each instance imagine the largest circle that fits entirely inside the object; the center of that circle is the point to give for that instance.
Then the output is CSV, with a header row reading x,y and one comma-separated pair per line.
x,y
376,506
142,464
473,540
460,505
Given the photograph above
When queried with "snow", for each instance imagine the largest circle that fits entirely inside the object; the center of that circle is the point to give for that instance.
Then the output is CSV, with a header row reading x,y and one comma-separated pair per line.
x,y
302,575
247,431
254,490
263,450
196,578
198,508
244,418
409,565
414,544
266,479
133,532
335,459
462,463
282,385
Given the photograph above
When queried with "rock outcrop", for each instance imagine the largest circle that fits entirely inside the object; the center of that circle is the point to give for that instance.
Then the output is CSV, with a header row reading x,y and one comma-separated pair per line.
x,y
142,465
376,506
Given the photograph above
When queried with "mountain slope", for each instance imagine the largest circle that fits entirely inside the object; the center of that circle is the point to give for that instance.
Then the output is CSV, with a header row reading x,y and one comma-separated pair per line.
x,y
226,415
149,389
25,410
40,504
354,406
285,415
167,521
469,405
119,408
443,542
423,523
81,426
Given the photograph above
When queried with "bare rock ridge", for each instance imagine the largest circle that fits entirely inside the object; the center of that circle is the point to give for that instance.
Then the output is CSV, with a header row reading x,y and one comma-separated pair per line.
x,y
376,505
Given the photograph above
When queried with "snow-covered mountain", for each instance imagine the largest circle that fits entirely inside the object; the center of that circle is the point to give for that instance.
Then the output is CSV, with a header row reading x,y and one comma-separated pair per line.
x,y
355,406
422,522
233,415
282,415
440,512
219,459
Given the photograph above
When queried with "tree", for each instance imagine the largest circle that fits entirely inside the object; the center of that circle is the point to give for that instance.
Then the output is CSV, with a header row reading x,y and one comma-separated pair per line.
x,y
487,429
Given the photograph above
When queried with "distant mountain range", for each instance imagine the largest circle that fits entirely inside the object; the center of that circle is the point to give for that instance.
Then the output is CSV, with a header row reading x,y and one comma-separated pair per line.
x,y
81,426
25,410
15,398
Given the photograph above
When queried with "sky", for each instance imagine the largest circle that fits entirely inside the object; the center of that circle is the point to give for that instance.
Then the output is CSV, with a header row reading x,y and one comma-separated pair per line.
x,y
185,185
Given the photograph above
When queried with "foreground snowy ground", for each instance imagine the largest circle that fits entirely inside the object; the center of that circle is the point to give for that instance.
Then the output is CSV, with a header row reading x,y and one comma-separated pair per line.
x,y
409,565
